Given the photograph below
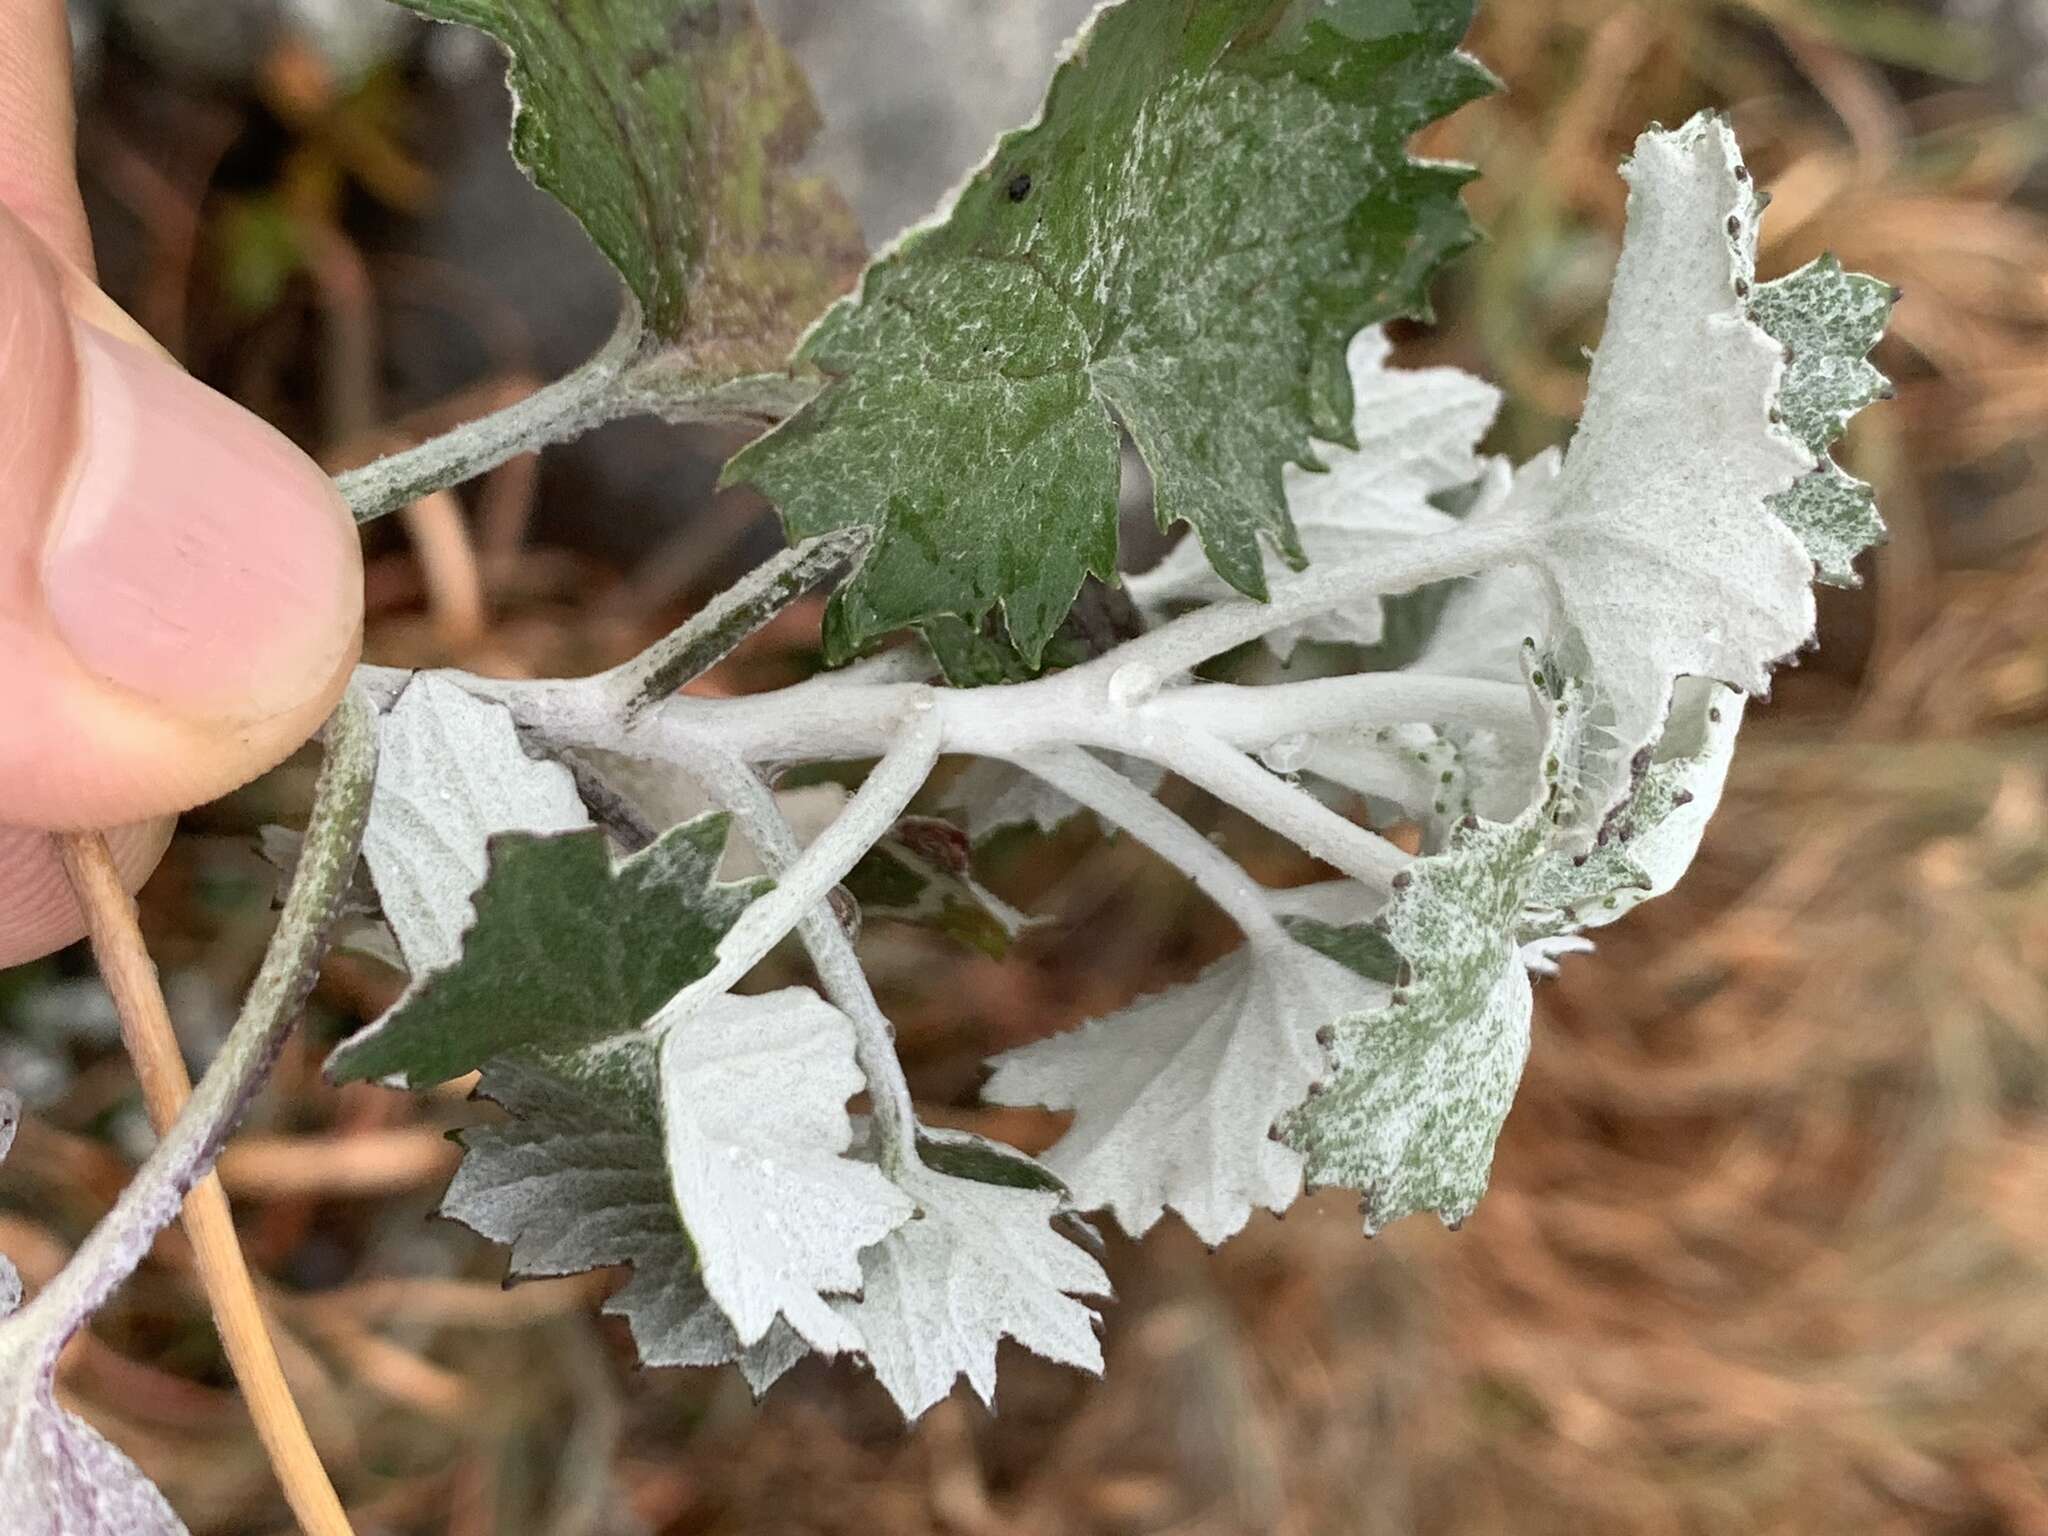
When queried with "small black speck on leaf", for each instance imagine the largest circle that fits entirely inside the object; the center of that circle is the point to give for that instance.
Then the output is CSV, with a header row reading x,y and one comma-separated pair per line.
x,y
1401,881
1742,287
1326,1036
1734,226
1742,173
1714,714
1019,187
1682,797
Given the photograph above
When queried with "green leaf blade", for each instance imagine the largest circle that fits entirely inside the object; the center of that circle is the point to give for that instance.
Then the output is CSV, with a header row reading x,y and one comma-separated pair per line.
x,y
1214,200
664,127
1828,320
567,950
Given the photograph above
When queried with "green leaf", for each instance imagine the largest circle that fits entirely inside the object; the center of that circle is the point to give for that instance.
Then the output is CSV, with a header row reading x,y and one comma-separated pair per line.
x,y
577,1181
1215,199
567,949
1417,432
964,1155
1419,1089
665,127
921,872
1828,320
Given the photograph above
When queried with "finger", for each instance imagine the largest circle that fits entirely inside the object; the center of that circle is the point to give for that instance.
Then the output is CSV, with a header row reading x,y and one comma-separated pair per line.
x,y
38,178
180,589
38,913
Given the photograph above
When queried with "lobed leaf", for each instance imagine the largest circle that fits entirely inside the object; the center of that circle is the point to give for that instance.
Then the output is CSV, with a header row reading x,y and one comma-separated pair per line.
x,y
452,774
978,1263
667,127
577,1181
1174,1096
568,949
1658,539
753,1102
1648,841
1414,436
1828,321
1215,198
1419,1088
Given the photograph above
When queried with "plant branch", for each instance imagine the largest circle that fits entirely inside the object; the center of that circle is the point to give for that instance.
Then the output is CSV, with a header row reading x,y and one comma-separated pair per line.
x,y
664,385
711,633
740,790
1303,820
567,408
131,977
808,882
1117,800
1257,717
622,379
1150,660
341,806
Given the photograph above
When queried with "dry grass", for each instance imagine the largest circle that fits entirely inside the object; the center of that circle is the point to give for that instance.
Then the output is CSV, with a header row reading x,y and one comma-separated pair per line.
x,y
1764,1252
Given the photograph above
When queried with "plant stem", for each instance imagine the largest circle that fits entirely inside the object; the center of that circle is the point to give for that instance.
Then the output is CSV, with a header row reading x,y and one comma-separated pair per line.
x,y
1117,800
711,633
740,790
808,881
620,380
570,406
131,977
341,806
1303,820
1257,717
1193,638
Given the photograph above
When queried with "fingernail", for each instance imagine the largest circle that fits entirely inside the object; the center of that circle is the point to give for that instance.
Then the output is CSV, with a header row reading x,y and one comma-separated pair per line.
x,y
199,558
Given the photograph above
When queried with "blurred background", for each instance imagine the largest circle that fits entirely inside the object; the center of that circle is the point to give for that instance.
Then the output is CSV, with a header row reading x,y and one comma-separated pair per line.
x,y
1767,1248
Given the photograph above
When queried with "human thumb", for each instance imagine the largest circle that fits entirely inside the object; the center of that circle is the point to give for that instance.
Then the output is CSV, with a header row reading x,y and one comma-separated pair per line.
x,y
180,589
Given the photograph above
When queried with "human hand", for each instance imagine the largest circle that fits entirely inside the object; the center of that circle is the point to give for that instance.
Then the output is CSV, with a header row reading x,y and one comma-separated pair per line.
x,y
180,587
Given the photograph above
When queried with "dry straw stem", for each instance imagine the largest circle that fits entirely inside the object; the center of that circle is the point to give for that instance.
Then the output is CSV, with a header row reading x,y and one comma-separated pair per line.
x,y
131,977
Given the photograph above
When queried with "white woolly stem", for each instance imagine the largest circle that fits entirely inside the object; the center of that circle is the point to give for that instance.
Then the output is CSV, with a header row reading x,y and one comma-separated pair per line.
x,y
739,790
568,407
1303,820
1187,642
807,882
623,379
1256,718
334,834
1117,800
